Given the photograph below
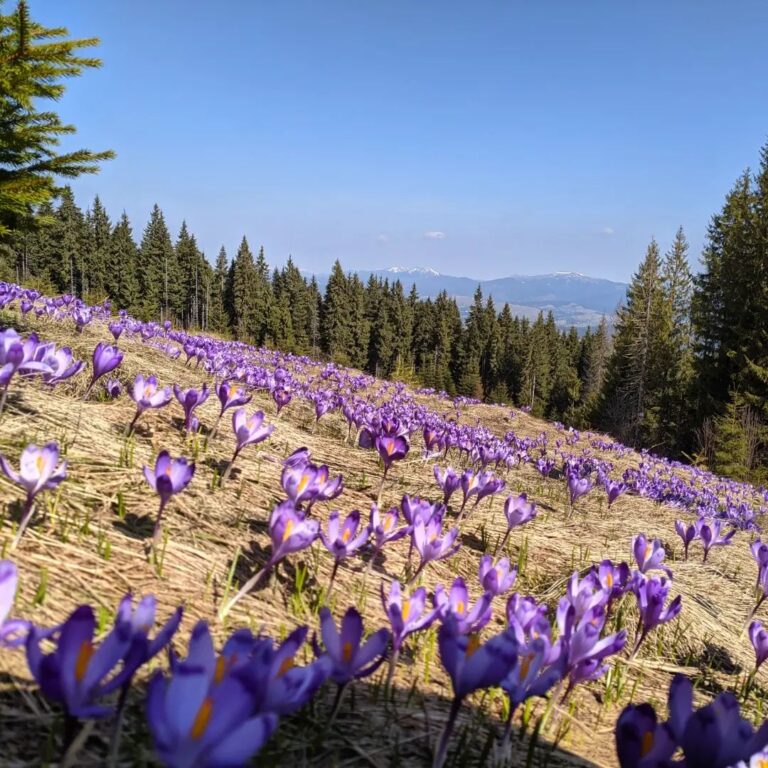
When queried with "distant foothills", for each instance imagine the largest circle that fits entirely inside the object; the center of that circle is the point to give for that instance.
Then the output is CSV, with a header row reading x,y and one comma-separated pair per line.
x,y
574,299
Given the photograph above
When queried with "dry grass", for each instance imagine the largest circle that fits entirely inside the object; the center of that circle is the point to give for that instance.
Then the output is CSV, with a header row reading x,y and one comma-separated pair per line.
x,y
90,545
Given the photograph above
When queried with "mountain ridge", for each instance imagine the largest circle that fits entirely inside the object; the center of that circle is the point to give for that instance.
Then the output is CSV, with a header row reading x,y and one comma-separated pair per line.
x,y
574,299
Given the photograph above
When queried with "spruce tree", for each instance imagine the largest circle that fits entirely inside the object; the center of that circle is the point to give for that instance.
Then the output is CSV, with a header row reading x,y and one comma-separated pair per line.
x,y
244,279
159,269
34,62
98,238
122,273
217,317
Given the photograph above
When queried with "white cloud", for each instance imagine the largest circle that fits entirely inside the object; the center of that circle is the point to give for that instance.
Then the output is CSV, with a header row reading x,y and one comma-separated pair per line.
x,y
432,234
382,238
607,231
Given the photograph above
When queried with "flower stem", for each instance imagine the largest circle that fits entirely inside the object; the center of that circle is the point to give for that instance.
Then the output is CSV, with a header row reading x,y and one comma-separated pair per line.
x,y
114,744
132,425
4,397
336,705
501,546
333,577
390,674
253,582
158,526
215,429
227,471
381,486
26,515
442,749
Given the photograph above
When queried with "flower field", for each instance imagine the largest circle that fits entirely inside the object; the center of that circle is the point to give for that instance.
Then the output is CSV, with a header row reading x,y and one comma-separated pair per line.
x,y
213,553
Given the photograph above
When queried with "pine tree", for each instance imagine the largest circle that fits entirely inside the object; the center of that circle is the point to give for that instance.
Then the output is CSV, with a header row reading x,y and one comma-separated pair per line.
x,y
67,245
336,324
34,61
262,298
122,274
159,269
98,239
244,279
217,317
630,401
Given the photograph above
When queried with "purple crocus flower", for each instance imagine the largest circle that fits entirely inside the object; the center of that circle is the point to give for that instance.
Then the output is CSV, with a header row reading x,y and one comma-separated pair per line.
x,y
649,554
307,483
577,487
613,579
545,466
614,489
533,675
715,736
343,539
13,632
78,672
455,603
290,531
711,536
391,448
271,673
757,636
471,665
651,593
105,359
116,329
282,396
352,658
190,399
642,741
169,477
229,396
146,393
686,533
496,579
60,363
431,544
386,527
448,481
113,388
249,430
204,714
518,511
406,615
39,470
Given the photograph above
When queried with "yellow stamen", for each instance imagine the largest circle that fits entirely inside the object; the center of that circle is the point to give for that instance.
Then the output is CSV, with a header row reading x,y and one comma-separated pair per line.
x,y
473,644
202,719
39,463
288,529
345,536
525,665
286,664
303,483
221,668
347,652
405,610
390,448
83,659
609,579
388,523
648,550
647,744
460,607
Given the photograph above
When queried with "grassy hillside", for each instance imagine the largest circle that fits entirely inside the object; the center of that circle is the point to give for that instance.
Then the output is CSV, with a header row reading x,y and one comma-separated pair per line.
x,y
89,543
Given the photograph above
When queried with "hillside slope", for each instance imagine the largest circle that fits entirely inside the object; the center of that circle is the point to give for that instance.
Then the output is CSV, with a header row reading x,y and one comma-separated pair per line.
x,y
91,545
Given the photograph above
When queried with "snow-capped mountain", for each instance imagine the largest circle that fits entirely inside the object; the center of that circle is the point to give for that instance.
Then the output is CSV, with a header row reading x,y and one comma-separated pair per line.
x,y
574,298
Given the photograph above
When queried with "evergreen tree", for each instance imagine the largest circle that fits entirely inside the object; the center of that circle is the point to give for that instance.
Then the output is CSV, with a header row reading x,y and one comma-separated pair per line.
x,y
630,401
244,281
218,321
159,272
262,299
96,257
34,61
336,324
122,274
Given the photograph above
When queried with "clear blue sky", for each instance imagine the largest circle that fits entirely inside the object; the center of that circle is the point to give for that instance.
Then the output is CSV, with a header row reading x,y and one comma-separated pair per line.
x,y
476,137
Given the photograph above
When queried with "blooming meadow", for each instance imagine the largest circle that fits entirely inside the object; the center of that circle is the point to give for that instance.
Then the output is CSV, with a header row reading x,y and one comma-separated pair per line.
x,y
237,552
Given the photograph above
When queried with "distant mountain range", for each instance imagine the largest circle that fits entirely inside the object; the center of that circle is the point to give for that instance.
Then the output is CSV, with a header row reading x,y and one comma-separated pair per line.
x,y
574,299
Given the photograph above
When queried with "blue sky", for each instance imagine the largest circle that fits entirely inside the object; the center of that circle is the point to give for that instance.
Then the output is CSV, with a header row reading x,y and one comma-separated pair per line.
x,y
479,138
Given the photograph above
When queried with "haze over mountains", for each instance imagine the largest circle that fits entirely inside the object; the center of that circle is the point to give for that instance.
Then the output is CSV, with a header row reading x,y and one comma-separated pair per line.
x,y
574,299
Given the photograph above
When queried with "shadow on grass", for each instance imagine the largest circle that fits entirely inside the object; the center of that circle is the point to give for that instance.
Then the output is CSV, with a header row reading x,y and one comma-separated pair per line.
x,y
367,731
